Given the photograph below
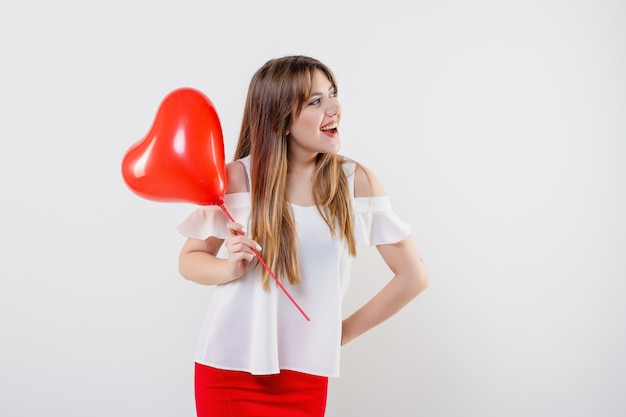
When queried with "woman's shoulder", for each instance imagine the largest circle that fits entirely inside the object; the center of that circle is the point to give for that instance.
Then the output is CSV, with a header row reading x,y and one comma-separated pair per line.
x,y
366,184
237,177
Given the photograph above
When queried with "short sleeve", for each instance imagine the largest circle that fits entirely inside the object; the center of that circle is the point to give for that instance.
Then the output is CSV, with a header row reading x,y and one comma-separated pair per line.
x,y
376,223
211,220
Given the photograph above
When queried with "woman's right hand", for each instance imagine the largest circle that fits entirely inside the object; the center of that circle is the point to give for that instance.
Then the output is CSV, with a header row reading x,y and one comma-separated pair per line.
x,y
240,249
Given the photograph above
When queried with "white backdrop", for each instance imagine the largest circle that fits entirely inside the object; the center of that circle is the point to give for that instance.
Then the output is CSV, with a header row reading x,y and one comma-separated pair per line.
x,y
496,126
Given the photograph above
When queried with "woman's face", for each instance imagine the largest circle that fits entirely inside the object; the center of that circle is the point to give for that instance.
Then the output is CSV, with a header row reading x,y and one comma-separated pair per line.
x,y
315,130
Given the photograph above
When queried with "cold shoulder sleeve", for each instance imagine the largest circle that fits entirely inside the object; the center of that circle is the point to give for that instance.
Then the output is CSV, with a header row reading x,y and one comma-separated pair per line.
x,y
376,223
211,220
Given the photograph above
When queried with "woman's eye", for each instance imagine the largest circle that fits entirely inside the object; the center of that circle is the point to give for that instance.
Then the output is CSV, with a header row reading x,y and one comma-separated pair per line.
x,y
314,102
333,94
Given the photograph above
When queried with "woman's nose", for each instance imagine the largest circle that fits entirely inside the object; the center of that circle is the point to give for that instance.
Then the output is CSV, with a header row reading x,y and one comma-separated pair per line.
x,y
334,108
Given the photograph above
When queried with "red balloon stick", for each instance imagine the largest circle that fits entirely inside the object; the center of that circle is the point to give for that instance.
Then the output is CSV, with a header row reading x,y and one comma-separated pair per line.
x,y
276,280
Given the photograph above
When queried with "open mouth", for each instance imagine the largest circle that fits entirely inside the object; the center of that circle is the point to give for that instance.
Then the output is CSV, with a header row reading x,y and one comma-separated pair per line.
x,y
331,128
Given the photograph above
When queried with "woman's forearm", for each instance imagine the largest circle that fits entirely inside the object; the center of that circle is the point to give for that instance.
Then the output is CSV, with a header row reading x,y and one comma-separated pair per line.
x,y
388,301
411,278
204,268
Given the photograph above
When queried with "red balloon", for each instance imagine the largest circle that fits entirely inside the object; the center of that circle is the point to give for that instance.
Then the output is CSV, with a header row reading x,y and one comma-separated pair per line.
x,y
181,159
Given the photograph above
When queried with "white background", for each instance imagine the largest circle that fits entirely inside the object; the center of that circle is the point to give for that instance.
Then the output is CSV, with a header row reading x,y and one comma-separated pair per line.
x,y
497,127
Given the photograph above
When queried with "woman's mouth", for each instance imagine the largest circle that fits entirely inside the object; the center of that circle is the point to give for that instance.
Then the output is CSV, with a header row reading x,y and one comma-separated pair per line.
x,y
330,129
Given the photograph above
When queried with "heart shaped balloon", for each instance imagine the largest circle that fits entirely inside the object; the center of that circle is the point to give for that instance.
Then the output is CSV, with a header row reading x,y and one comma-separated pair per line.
x,y
181,159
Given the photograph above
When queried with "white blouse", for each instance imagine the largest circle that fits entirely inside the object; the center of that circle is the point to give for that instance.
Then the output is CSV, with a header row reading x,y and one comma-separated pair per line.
x,y
261,332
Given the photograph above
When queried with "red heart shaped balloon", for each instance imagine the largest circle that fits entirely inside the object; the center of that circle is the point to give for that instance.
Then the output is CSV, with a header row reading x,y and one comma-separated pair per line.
x,y
181,159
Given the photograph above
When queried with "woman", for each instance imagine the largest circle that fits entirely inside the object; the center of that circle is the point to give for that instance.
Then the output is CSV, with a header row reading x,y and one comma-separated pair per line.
x,y
304,208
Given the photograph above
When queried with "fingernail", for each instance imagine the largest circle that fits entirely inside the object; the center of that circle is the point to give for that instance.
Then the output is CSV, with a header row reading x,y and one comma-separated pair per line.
x,y
258,247
244,230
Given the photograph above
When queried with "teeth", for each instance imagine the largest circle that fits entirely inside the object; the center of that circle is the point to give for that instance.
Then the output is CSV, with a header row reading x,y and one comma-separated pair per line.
x,y
333,126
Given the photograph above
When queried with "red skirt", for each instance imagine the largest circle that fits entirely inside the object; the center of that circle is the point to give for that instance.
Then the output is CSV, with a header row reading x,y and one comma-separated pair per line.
x,y
222,393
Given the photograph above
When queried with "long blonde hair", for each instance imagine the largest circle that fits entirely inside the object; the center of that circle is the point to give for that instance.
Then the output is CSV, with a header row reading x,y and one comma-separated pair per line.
x,y
275,98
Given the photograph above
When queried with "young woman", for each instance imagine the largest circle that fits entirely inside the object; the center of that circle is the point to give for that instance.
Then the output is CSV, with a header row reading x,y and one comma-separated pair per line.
x,y
303,208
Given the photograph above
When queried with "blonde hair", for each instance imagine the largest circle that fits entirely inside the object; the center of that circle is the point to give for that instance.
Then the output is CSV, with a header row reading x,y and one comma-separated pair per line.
x,y
275,98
